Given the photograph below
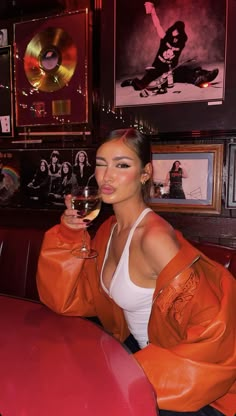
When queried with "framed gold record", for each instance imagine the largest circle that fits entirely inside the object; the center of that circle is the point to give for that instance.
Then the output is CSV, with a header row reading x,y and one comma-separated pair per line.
x,y
51,70
50,60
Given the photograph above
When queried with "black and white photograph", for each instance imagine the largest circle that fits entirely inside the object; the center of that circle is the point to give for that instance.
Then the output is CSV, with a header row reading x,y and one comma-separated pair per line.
x,y
169,52
48,175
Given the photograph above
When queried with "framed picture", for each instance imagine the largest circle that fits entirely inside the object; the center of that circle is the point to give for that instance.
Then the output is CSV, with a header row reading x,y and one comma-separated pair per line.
x,y
52,70
131,47
6,102
231,182
164,55
40,178
187,178
3,37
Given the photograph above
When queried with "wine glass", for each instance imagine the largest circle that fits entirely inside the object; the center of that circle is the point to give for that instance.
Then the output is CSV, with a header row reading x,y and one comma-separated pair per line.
x,y
87,202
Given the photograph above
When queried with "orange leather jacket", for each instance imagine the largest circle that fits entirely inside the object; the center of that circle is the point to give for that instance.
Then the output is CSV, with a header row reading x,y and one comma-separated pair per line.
x,y
191,357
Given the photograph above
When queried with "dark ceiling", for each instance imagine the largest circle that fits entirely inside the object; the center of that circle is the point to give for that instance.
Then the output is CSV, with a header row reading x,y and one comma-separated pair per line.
x,y
17,8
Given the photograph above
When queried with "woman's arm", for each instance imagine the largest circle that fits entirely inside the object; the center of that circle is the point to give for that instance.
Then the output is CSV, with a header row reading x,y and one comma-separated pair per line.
x,y
66,283
191,358
62,279
184,173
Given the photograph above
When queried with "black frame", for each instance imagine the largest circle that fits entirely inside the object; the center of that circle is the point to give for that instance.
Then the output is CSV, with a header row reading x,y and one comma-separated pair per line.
x,y
6,90
231,178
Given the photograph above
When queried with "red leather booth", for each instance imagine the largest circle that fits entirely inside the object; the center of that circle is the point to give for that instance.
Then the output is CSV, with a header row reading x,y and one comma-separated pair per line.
x,y
19,251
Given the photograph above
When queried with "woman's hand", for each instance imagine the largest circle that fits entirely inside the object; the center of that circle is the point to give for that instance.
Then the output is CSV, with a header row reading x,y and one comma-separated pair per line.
x,y
70,216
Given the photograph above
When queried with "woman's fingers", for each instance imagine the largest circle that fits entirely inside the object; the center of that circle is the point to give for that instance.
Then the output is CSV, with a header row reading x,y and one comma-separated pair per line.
x,y
68,202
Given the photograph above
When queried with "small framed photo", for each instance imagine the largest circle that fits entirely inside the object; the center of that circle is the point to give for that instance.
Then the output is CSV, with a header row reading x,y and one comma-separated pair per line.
x,y
3,38
187,178
231,178
6,94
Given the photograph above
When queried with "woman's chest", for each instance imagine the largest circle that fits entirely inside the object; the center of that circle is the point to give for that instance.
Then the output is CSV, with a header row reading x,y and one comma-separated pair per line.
x,y
126,257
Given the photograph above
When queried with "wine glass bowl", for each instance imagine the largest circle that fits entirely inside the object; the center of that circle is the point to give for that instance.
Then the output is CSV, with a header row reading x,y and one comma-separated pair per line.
x,y
87,202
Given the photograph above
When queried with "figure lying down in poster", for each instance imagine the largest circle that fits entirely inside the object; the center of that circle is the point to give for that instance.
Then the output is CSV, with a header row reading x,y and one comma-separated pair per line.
x,y
166,69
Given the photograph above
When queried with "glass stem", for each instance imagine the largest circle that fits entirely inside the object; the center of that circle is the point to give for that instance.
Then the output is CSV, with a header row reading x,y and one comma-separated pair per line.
x,y
84,246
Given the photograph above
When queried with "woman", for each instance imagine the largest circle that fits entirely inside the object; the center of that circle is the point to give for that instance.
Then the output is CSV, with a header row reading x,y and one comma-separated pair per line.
x,y
174,180
65,183
68,179
54,170
177,305
39,186
82,168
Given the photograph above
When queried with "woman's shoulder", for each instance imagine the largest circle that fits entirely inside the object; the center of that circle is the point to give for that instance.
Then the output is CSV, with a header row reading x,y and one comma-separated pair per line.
x,y
157,224
159,240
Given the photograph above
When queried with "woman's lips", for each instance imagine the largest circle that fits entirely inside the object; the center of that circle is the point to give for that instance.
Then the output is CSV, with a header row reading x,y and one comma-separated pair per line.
x,y
107,190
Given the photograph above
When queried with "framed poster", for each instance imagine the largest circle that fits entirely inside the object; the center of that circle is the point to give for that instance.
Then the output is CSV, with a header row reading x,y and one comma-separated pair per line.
x,y
9,178
51,70
187,178
40,178
47,175
163,54
184,108
6,95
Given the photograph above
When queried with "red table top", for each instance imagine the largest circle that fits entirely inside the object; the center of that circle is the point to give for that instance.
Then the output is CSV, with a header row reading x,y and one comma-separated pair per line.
x,y
56,365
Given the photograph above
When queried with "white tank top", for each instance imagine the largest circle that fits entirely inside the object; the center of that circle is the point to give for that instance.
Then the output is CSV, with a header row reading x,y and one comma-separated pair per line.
x,y
135,301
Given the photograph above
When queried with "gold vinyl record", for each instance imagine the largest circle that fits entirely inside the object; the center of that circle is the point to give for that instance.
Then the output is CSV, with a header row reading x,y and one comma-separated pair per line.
x,y
50,59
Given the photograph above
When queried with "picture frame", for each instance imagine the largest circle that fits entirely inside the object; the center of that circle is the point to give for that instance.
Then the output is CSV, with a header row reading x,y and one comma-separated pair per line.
x,y
3,37
39,179
162,121
192,185
54,90
6,92
169,74
231,176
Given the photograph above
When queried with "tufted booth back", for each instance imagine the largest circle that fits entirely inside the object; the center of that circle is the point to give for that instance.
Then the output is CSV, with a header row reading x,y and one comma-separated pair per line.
x,y
19,251
222,254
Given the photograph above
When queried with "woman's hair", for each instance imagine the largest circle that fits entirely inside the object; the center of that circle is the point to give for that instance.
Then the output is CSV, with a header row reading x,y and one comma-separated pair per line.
x,y
56,154
173,166
180,26
68,164
45,163
85,155
141,145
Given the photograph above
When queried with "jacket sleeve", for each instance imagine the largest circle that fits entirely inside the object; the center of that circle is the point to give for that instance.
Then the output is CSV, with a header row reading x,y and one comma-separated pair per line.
x,y
192,360
62,278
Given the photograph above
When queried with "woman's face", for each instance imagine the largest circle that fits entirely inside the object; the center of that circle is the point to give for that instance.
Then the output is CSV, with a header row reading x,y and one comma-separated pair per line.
x,y
54,158
118,172
43,167
81,157
65,168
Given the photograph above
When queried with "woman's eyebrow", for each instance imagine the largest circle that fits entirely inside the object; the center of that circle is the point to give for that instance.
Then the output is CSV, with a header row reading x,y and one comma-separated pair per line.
x,y
117,158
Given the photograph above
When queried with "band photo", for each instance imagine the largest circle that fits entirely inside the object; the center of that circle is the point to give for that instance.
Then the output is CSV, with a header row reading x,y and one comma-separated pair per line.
x,y
47,176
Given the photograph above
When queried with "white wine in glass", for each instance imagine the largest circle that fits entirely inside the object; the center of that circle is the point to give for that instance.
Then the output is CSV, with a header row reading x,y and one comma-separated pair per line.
x,y
87,202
